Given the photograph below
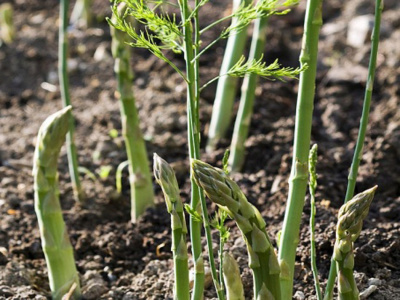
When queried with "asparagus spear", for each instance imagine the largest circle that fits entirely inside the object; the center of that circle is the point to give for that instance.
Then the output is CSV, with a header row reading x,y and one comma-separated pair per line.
x,y
142,195
351,217
223,191
7,29
55,241
233,282
312,163
165,177
226,89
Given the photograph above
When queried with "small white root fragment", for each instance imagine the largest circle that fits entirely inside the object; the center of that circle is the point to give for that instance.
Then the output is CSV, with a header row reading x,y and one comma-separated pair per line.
x,y
366,293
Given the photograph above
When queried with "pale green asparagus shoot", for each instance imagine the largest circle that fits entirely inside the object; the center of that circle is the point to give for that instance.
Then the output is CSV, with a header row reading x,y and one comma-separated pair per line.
x,y
142,195
7,29
245,112
55,241
165,177
227,85
82,13
312,163
351,217
223,191
358,151
233,282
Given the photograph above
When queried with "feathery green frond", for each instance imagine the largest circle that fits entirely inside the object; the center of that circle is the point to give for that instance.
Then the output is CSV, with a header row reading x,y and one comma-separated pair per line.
x,y
145,39
258,67
245,14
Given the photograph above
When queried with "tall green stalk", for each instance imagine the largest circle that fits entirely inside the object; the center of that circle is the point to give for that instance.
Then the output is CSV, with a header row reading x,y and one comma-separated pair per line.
x,y
226,88
198,202
142,195
64,86
352,178
243,118
302,136
55,241
165,177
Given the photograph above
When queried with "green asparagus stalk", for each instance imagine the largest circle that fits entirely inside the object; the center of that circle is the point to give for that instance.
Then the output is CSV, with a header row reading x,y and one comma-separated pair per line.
x,y
55,241
226,88
223,191
198,203
233,282
165,177
312,162
243,118
362,131
302,137
351,217
142,195
64,86
7,29
82,13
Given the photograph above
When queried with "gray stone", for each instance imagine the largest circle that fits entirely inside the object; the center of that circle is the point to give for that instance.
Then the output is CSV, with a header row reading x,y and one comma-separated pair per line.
x,y
359,30
299,295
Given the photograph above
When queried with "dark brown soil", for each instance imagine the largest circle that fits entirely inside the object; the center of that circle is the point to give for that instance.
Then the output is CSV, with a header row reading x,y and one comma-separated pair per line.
x,y
119,260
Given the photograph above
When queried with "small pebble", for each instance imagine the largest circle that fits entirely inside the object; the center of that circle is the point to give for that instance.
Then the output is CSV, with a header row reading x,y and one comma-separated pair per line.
x,y
94,291
359,30
374,281
6,291
299,295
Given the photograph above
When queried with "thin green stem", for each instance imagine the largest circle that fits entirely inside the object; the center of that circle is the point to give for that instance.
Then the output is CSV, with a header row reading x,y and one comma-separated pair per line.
x,y
64,87
198,201
226,88
243,118
352,178
197,56
118,176
216,23
312,162
302,137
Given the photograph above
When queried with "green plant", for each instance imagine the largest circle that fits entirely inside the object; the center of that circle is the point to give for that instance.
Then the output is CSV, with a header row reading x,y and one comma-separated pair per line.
x,y
243,118
64,86
223,191
312,183
55,241
273,278
142,195
165,177
82,13
163,33
7,30
351,216
226,88
301,144
362,130
233,282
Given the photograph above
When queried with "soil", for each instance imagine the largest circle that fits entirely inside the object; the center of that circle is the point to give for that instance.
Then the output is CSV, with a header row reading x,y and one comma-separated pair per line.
x,y
120,260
